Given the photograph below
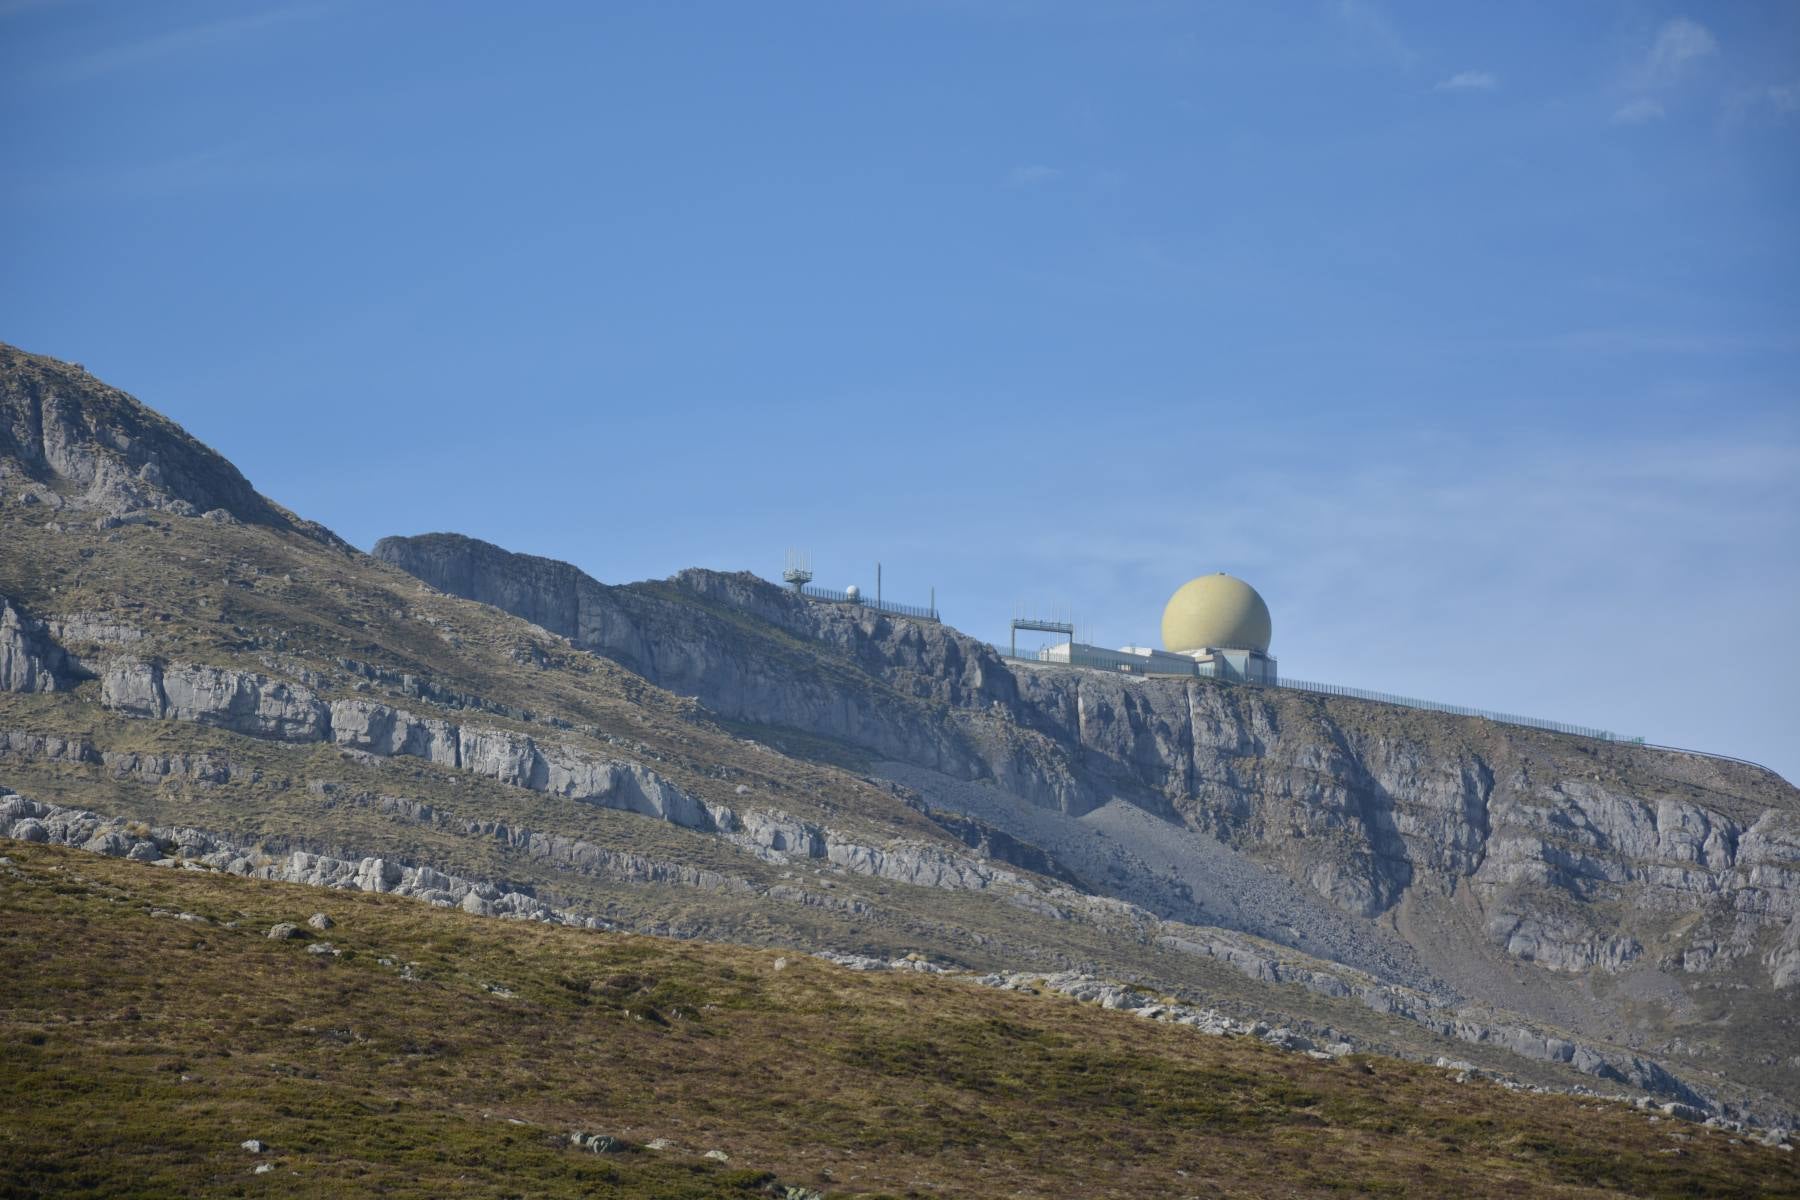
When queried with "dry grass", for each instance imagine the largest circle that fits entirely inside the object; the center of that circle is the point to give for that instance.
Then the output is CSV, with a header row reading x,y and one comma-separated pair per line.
x,y
140,1050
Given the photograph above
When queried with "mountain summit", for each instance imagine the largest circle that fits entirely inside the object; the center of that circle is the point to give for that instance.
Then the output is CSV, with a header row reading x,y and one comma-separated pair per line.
x,y
74,442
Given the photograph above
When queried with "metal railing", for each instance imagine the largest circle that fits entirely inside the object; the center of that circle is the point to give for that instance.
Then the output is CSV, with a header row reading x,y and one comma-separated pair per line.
x,y
813,591
1118,662
1096,659
1333,689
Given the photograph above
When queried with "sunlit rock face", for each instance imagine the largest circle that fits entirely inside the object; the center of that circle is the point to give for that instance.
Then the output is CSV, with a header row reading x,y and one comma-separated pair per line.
x,y
1581,855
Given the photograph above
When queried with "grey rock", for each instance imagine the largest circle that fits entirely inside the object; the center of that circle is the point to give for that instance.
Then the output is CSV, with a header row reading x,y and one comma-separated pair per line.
x,y
94,629
92,447
286,930
255,1146
30,659
320,922
387,731
1360,811
240,701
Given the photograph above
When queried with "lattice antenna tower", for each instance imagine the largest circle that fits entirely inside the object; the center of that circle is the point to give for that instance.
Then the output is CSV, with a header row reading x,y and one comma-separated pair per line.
x,y
799,570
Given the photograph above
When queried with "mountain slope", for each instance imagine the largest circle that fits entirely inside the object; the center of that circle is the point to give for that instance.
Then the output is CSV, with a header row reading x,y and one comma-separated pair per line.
x,y
409,1051
1600,886
711,757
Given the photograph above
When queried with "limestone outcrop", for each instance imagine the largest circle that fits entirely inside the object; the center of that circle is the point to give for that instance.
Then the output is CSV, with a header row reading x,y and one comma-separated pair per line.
x,y
1364,803
33,821
69,441
240,701
30,658
386,731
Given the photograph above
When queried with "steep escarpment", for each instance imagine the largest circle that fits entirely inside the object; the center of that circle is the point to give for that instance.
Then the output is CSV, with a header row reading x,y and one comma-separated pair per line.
x,y
751,652
1578,855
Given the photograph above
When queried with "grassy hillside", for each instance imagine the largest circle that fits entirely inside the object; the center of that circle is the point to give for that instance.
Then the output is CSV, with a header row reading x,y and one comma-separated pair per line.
x,y
441,1054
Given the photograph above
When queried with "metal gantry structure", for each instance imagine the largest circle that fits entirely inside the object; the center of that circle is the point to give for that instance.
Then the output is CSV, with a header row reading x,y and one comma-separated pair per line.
x,y
1039,624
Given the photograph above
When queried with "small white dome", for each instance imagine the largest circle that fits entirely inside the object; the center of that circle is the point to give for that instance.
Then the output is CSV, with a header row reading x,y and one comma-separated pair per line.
x,y
853,592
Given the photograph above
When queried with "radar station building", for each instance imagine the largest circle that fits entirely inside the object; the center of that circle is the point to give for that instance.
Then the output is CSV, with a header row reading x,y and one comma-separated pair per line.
x,y
1214,625
1220,619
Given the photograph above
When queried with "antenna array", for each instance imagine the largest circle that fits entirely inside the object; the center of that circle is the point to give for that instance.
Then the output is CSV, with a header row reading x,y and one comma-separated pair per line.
x,y
799,570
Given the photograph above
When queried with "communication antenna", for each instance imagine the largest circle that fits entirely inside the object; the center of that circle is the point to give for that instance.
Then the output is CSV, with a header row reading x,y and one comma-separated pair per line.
x,y
799,571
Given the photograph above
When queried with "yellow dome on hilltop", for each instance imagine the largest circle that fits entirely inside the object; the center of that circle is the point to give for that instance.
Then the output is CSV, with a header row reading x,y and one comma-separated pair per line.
x,y
1220,611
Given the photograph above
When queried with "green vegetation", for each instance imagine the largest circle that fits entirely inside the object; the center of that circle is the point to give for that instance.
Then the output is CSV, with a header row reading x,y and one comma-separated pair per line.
x,y
447,1055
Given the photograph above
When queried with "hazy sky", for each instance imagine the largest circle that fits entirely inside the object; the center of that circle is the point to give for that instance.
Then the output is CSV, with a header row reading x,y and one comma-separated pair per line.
x,y
1470,335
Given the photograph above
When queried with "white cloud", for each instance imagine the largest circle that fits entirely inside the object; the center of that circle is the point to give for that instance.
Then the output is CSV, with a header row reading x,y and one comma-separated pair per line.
x,y
1033,175
1638,111
1470,81
1678,43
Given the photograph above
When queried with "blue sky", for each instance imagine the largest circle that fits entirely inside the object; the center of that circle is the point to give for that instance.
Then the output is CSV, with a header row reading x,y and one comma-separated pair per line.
x,y
1469,334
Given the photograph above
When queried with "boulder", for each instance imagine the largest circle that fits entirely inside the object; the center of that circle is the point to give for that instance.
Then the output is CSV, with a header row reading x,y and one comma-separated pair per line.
x,y
30,830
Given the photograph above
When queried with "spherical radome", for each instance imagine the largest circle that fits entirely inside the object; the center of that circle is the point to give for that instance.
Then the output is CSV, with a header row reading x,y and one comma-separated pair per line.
x,y
1221,611
853,592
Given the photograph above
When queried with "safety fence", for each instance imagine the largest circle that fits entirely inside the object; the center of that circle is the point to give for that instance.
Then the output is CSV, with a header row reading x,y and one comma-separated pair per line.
x,y
1333,689
813,591
1098,659
1119,662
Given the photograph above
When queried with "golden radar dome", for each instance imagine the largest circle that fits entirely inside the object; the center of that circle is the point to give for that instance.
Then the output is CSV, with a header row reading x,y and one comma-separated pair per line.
x,y
1220,611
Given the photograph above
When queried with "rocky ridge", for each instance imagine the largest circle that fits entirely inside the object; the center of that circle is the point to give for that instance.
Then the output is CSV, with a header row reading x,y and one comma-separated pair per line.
x,y
1361,805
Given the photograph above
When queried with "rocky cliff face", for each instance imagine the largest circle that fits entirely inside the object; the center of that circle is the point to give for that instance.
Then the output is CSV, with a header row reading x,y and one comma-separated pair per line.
x,y
68,441
30,660
1580,855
